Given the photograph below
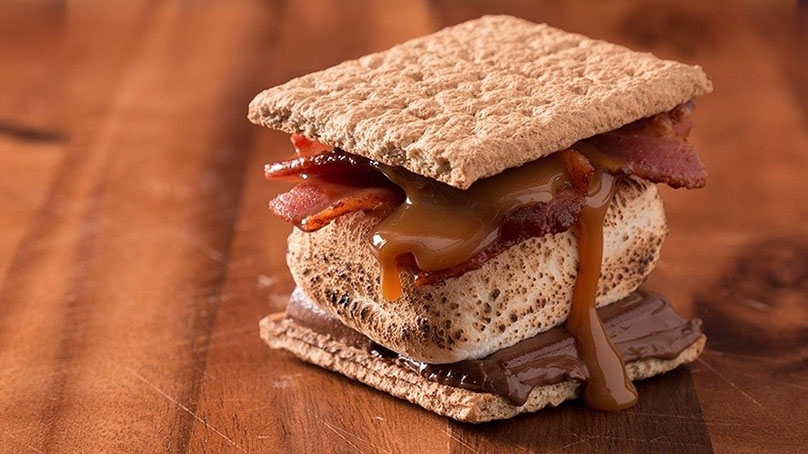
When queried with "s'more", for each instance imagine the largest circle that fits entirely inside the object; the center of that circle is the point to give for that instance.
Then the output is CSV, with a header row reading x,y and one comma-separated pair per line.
x,y
475,212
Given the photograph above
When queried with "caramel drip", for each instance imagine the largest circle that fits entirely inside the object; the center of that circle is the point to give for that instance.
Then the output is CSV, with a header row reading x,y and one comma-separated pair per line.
x,y
441,226
608,386
390,281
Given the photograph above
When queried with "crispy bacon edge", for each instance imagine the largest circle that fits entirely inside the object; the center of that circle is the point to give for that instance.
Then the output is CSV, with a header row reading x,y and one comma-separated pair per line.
x,y
331,184
654,148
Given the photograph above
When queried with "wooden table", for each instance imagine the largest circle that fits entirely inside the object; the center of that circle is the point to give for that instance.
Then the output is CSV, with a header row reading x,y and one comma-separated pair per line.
x,y
137,256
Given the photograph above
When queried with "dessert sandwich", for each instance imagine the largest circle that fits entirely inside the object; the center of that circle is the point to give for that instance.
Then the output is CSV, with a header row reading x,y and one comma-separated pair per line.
x,y
475,211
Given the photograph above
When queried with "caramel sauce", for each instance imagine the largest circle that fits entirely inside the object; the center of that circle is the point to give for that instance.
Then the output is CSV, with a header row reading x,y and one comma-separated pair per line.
x,y
441,226
599,159
608,386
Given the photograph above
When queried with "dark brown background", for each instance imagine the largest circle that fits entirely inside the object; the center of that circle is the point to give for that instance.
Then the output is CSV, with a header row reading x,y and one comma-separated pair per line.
x,y
137,256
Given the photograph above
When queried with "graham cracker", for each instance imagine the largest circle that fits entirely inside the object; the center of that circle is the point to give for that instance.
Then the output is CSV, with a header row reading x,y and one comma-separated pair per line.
x,y
477,98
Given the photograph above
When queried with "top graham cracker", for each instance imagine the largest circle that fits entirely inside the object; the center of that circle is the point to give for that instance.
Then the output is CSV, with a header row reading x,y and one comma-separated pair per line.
x,y
474,99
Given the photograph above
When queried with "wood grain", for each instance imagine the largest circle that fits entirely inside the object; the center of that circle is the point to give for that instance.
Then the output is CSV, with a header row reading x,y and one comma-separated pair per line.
x,y
137,256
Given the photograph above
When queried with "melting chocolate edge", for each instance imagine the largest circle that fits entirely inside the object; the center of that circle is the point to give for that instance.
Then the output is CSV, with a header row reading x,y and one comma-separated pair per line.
x,y
642,326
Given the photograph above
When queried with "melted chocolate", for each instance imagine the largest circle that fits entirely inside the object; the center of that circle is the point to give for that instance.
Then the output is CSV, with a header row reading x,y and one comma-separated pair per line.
x,y
641,326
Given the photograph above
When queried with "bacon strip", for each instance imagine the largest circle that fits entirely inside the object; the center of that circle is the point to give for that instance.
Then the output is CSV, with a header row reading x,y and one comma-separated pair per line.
x,y
652,148
311,206
306,146
332,183
334,165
